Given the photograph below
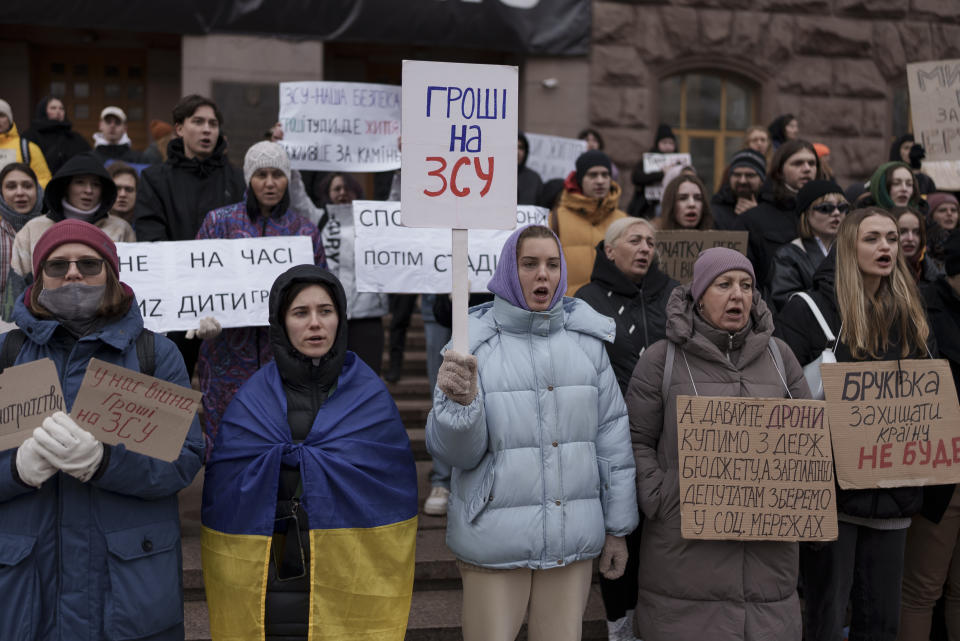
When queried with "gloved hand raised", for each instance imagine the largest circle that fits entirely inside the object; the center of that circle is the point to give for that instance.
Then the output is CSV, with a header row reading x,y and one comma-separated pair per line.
x,y
613,559
208,327
31,466
457,377
69,447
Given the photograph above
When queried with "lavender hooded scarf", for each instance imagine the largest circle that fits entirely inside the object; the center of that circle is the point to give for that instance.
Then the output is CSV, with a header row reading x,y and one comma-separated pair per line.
x,y
506,280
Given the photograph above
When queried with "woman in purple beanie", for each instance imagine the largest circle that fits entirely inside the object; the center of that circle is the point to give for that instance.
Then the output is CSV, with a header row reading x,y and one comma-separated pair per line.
x,y
533,424
719,343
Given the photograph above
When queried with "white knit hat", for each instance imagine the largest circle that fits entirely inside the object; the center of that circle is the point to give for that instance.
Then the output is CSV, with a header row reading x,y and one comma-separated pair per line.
x,y
5,110
265,154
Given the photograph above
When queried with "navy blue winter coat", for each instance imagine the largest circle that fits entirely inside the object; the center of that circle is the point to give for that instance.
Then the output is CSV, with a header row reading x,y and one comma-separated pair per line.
x,y
96,560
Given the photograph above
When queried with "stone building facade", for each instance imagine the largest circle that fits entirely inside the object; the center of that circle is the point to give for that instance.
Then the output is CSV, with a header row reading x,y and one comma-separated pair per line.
x,y
838,65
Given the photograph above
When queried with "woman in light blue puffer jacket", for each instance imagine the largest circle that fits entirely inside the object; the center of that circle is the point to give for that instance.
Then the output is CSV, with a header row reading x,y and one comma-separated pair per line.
x,y
534,426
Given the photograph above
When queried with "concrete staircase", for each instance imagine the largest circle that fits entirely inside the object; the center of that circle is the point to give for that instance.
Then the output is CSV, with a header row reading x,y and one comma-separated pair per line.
x,y
435,611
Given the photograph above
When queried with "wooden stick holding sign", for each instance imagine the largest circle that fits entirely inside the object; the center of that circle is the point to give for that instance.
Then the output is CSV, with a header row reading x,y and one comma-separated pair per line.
x,y
459,159
147,415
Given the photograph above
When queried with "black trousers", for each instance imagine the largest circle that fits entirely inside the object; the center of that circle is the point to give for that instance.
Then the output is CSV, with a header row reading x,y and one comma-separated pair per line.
x,y
401,308
620,594
864,567
365,338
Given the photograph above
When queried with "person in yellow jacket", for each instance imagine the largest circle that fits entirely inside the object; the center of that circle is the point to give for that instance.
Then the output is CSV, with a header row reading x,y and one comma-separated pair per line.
x,y
587,206
10,140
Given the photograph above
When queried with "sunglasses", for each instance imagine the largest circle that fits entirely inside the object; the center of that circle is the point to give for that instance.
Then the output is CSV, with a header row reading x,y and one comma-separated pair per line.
x,y
827,208
58,268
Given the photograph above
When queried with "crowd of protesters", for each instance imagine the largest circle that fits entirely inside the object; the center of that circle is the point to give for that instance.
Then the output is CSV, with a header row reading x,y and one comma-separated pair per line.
x,y
553,435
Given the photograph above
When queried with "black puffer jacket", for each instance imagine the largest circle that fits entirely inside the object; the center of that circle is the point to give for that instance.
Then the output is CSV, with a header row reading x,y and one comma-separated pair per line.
x,y
173,198
798,328
793,268
117,152
306,386
772,224
639,310
56,138
723,207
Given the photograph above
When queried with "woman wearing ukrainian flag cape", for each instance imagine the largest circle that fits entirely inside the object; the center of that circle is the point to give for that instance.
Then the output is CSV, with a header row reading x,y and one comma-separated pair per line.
x,y
310,495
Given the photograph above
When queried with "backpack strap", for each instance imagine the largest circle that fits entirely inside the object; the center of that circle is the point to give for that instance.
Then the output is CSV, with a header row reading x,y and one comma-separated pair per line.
x,y
11,348
668,370
816,314
778,363
146,353
24,151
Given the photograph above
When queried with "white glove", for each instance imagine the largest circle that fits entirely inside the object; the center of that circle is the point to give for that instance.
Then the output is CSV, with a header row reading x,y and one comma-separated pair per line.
x,y
69,447
457,377
208,327
31,466
613,559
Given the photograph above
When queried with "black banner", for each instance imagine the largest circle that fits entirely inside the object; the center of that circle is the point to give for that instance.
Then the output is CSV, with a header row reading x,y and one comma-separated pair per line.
x,y
544,27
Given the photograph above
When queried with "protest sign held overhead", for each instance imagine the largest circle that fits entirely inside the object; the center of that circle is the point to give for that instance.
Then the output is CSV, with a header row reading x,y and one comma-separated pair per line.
x,y
459,145
146,414
553,156
893,423
391,258
347,126
935,108
678,249
29,393
755,469
661,162
178,283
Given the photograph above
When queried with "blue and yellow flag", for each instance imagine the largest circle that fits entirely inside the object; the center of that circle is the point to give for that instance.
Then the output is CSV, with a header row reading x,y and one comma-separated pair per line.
x,y
360,495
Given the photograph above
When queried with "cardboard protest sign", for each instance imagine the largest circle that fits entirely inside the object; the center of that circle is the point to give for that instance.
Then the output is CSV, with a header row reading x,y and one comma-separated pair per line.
x,y
553,156
893,423
29,393
755,469
391,258
677,250
459,145
935,109
661,162
177,283
348,126
147,415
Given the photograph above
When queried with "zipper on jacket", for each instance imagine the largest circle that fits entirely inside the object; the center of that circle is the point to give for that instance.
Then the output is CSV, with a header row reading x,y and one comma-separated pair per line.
x,y
729,347
643,312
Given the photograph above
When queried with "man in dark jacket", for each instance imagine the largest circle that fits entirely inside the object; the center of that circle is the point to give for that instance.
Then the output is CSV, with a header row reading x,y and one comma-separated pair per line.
x,y
741,188
627,285
528,181
53,133
112,141
773,222
174,197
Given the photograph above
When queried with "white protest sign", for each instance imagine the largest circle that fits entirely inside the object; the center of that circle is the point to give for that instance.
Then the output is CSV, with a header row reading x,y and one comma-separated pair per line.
x,y
661,162
935,109
177,283
350,126
391,258
553,156
459,145
7,156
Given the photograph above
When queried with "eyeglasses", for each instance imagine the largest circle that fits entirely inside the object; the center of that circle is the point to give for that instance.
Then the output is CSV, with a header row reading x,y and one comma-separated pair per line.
x,y
58,268
827,208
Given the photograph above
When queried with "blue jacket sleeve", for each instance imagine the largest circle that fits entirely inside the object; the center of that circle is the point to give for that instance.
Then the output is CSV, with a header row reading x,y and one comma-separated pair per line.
x,y
614,453
126,472
457,434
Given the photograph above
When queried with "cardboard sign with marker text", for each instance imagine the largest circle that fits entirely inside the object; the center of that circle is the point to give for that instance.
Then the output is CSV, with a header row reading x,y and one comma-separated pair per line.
x,y
29,393
893,423
147,415
678,249
755,469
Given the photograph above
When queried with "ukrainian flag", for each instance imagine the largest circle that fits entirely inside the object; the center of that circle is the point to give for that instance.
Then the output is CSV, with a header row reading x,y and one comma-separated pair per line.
x,y
359,492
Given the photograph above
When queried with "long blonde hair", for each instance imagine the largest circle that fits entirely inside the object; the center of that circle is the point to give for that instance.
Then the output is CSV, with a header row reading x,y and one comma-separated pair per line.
x,y
869,320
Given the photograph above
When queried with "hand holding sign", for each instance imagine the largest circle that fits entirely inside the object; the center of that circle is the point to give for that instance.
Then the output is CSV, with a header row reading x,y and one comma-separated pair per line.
x,y
147,415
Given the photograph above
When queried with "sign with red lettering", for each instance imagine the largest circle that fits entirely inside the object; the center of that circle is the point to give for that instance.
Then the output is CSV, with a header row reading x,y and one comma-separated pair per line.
x,y
29,393
459,151
755,469
893,423
147,415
